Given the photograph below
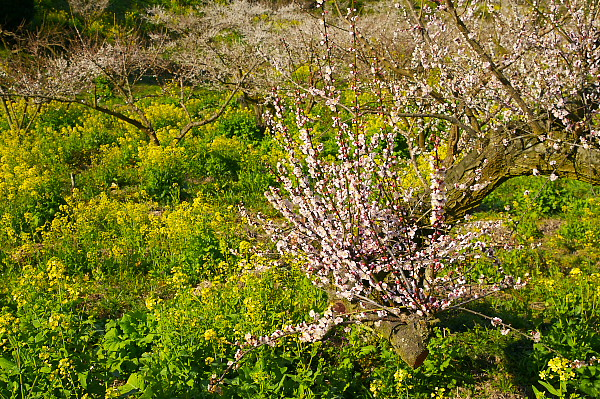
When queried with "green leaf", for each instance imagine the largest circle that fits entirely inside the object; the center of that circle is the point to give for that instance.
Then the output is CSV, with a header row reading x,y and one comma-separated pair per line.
x,y
147,339
82,378
591,388
149,394
550,388
538,394
135,382
7,364
366,350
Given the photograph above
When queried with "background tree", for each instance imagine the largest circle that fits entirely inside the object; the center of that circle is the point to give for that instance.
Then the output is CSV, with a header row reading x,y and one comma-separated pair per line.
x,y
225,41
238,48
82,70
88,8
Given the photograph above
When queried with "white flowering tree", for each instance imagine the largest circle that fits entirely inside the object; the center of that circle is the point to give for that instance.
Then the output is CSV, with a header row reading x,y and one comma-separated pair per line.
x,y
226,40
81,71
88,9
509,87
237,48
518,84
478,92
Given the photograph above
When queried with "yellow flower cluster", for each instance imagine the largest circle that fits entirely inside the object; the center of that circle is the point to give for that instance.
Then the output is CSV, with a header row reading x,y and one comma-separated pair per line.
x,y
179,278
58,321
64,366
9,324
260,376
591,238
157,157
112,392
548,282
376,387
181,223
22,181
31,282
439,393
402,376
210,335
167,119
575,272
44,354
56,271
151,302
253,308
245,247
228,147
558,366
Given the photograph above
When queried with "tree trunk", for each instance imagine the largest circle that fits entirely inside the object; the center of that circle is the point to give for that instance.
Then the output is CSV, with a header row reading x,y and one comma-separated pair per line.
x,y
505,156
409,339
408,334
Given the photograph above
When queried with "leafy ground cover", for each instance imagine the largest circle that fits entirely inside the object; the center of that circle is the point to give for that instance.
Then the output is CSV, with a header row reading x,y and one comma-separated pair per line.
x,y
127,271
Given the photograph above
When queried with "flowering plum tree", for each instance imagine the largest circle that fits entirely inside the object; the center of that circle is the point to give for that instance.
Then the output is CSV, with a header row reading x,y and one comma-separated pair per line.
x,y
518,83
510,88
224,47
354,224
482,91
78,71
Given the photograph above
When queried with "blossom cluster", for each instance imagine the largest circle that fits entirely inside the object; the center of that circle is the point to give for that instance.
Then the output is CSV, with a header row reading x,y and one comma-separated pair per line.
x,y
307,332
352,221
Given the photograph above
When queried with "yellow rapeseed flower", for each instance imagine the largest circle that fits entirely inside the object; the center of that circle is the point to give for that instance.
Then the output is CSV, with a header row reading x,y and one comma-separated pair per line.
x,y
210,335
376,388
562,367
8,323
575,272
151,302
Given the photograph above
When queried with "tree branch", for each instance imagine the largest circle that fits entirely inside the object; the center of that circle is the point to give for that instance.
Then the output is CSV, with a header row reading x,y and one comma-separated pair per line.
x,y
514,93
185,130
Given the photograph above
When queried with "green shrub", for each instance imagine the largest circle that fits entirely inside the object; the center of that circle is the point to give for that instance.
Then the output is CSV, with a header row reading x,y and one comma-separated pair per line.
x,y
241,124
163,172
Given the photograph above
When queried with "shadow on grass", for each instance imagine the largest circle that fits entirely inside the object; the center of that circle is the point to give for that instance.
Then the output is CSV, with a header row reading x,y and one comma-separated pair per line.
x,y
486,356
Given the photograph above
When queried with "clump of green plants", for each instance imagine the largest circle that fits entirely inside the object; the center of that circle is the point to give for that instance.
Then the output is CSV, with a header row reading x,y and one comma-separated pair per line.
x,y
162,172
